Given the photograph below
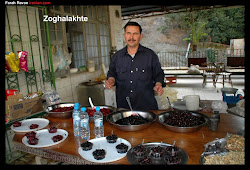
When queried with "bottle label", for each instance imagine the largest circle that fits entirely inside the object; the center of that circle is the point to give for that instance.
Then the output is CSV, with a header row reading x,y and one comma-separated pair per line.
x,y
76,121
84,123
98,122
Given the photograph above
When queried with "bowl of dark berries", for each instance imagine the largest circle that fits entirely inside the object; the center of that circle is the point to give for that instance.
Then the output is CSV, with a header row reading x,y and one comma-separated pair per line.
x,y
127,120
139,151
121,148
172,159
61,110
99,154
145,160
157,151
86,146
172,150
182,121
111,138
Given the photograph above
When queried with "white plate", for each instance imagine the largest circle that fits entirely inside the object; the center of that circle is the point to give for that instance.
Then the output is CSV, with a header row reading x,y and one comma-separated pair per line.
x,y
26,124
45,138
180,105
110,148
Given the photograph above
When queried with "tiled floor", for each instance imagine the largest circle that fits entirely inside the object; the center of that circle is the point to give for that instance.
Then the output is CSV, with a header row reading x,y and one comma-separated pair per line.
x,y
184,86
193,85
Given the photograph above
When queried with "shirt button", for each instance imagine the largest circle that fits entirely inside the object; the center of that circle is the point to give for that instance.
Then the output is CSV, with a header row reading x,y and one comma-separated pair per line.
x,y
131,81
131,71
131,91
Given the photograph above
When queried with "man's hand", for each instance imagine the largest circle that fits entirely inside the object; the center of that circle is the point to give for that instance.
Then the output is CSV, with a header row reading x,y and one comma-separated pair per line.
x,y
158,88
110,82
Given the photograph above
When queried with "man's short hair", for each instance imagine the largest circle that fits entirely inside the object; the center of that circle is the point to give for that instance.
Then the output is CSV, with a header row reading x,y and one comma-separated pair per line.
x,y
132,23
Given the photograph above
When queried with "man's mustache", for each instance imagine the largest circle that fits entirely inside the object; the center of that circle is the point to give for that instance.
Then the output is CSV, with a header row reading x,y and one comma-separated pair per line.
x,y
131,40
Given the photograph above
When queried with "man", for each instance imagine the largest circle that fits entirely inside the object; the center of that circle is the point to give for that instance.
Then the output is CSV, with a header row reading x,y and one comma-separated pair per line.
x,y
136,72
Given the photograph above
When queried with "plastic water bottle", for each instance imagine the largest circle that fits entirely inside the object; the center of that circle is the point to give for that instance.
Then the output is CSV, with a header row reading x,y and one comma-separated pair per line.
x,y
76,120
84,124
98,121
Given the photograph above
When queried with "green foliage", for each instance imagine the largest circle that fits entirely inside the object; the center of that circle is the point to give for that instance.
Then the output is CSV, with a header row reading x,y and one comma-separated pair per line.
x,y
222,25
174,21
196,32
211,55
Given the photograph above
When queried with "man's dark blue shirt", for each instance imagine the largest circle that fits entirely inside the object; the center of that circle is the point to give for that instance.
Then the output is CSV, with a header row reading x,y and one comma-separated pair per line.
x,y
136,78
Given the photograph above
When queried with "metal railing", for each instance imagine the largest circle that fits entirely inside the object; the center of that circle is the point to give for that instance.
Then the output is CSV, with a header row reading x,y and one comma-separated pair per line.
x,y
179,59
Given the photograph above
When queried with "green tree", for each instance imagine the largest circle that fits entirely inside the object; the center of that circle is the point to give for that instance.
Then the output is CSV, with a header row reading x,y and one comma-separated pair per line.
x,y
197,32
223,23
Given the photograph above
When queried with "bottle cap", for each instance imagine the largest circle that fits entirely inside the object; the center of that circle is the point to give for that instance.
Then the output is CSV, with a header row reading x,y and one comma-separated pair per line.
x,y
83,109
97,108
76,106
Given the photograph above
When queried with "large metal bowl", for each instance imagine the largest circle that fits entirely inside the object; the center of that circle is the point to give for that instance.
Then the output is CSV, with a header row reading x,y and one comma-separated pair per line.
x,y
229,90
113,109
163,116
113,117
59,114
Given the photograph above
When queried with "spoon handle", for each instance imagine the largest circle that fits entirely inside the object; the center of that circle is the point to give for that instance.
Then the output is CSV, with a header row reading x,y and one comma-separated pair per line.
x,y
91,103
170,104
128,100
129,104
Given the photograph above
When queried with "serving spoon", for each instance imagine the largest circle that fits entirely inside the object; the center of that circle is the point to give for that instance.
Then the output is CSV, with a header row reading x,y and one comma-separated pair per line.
x,y
170,104
129,104
91,103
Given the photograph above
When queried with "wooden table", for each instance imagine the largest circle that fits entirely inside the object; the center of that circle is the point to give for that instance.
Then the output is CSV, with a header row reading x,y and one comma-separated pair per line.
x,y
192,143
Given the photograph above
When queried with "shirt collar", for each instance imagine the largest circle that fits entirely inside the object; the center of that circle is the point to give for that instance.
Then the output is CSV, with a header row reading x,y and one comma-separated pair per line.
x,y
140,48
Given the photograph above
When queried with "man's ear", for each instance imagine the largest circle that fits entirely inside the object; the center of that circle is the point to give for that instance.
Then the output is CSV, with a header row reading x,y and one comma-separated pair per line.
x,y
141,36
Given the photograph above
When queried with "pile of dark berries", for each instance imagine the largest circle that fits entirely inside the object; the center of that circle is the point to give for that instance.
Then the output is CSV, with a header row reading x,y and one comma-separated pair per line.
x,y
170,160
87,146
146,160
99,154
183,119
132,120
57,138
111,138
122,148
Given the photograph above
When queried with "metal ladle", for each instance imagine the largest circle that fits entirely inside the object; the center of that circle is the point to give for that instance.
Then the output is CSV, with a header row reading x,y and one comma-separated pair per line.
x,y
91,103
170,104
129,104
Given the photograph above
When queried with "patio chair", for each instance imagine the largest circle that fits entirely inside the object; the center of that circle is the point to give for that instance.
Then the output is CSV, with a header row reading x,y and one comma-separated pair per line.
x,y
221,71
209,70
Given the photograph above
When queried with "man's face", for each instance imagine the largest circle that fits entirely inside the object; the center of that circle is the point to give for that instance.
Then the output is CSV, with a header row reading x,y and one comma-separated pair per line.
x,y
132,36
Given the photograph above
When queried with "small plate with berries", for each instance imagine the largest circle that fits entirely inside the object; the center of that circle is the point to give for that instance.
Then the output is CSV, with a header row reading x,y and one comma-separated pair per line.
x,y
29,125
105,149
45,137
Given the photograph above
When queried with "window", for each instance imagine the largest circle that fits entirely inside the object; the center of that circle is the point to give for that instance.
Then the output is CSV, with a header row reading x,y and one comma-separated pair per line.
x,y
87,40
77,48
